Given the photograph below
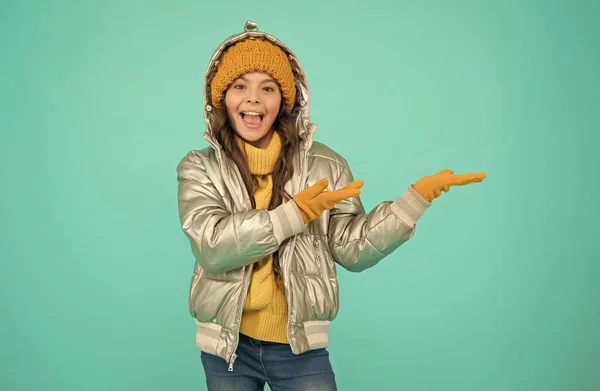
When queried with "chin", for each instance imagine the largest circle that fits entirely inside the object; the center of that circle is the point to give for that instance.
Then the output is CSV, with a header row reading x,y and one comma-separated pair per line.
x,y
251,135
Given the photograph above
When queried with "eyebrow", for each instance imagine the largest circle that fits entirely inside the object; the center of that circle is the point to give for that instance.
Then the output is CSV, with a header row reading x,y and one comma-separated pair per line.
x,y
262,82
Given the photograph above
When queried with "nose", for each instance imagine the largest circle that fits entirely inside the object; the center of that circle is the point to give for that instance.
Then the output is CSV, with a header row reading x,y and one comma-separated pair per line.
x,y
252,96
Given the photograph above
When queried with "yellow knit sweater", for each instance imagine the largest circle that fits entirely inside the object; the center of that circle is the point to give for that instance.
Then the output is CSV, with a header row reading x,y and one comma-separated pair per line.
x,y
265,313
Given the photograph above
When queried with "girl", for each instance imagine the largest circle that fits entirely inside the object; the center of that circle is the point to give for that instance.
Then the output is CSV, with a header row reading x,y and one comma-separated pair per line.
x,y
269,212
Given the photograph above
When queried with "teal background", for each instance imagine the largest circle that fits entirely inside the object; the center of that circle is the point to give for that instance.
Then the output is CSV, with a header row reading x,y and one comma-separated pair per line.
x,y
498,289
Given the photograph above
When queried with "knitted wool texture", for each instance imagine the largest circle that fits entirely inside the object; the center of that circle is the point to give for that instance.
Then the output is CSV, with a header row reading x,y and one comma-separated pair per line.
x,y
265,313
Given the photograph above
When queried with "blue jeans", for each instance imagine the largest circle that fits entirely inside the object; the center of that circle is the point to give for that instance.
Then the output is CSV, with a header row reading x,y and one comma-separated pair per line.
x,y
260,362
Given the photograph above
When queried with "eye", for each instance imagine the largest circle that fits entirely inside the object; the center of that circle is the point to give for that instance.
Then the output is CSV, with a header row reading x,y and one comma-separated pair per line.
x,y
269,89
239,86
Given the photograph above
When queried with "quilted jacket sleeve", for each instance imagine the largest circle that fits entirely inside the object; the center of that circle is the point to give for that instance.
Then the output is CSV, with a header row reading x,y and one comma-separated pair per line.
x,y
222,241
359,240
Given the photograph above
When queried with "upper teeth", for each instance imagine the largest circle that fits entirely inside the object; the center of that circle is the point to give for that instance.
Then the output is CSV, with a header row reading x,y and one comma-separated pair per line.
x,y
251,113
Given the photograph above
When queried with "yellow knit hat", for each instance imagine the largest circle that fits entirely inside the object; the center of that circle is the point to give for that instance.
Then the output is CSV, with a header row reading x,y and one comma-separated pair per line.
x,y
253,55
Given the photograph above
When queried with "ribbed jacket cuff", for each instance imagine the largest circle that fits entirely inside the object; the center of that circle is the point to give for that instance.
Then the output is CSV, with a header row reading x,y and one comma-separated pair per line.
x,y
410,206
287,221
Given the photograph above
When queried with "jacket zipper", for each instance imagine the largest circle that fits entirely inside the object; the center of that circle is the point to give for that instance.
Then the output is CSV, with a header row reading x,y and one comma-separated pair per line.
x,y
233,355
231,361
289,296
239,317
286,280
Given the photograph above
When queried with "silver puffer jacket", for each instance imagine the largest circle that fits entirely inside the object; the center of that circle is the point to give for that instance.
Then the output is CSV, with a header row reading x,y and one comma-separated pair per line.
x,y
227,236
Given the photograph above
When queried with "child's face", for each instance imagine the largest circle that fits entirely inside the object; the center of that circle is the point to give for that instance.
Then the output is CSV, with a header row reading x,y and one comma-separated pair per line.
x,y
253,93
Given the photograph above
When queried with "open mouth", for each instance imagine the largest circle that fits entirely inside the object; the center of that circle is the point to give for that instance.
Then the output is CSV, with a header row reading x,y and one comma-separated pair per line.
x,y
252,119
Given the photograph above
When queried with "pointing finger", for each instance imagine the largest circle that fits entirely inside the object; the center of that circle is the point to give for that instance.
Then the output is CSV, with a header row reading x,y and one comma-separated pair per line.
x,y
465,179
354,185
316,189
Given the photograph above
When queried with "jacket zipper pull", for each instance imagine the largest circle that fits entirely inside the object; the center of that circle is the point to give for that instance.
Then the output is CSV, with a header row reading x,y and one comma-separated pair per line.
x,y
233,357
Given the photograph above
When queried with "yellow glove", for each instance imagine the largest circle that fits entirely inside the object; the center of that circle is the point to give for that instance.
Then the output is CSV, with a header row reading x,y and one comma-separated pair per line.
x,y
313,201
431,186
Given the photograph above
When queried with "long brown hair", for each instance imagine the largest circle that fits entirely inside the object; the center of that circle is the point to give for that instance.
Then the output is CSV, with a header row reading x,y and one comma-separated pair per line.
x,y
282,172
